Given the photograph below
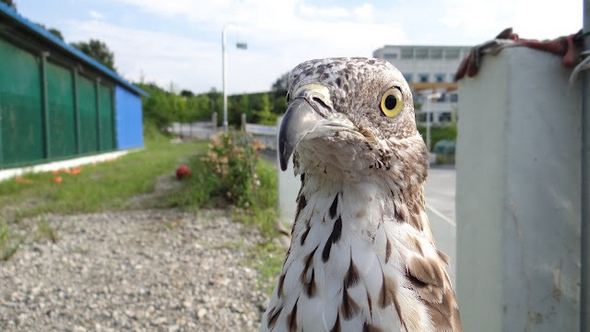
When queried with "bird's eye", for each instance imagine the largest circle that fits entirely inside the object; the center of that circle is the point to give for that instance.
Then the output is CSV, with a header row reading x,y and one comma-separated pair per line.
x,y
391,102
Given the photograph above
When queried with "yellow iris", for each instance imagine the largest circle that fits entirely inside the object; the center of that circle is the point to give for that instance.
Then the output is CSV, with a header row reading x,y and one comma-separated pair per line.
x,y
391,102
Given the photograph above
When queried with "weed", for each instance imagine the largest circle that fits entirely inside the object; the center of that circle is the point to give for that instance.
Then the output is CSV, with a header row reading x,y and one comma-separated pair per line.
x,y
45,231
9,243
172,224
267,259
263,214
239,245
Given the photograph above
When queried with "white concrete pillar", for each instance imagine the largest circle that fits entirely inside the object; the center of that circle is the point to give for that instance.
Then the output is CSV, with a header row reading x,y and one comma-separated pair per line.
x,y
518,195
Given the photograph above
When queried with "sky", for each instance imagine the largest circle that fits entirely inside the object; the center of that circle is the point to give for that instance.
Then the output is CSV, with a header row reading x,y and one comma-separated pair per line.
x,y
177,43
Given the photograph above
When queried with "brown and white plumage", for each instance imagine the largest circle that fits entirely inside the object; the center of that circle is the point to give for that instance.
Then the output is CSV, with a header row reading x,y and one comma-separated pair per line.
x,y
362,255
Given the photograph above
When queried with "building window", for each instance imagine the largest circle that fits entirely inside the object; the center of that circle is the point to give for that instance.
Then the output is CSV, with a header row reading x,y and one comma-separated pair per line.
x,y
436,53
422,53
452,54
407,53
439,78
452,77
465,52
423,78
409,77
454,98
390,56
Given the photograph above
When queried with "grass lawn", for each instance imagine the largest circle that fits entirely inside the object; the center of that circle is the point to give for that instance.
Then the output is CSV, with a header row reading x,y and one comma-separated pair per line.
x,y
98,187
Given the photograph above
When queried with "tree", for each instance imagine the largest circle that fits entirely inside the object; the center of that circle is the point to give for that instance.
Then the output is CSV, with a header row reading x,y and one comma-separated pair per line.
x,y
187,93
265,115
98,51
56,33
281,85
279,90
279,105
9,3
244,105
53,31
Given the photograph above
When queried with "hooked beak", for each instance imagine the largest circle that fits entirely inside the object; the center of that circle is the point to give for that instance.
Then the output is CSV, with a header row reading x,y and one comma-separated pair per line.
x,y
299,120
310,115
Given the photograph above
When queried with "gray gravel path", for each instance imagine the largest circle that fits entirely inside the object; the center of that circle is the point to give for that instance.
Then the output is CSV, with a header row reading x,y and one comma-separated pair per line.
x,y
154,270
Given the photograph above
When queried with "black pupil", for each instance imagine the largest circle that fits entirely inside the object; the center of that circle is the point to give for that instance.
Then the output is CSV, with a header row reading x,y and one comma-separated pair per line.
x,y
390,102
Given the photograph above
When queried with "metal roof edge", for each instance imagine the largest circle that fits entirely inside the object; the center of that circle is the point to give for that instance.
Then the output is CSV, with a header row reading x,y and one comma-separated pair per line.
x,y
5,9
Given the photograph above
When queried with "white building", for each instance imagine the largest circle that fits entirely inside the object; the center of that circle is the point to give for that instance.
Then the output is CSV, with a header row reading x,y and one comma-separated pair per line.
x,y
428,70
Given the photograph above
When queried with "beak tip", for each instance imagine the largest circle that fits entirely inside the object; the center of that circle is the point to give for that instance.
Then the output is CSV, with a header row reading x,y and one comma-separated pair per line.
x,y
284,154
284,165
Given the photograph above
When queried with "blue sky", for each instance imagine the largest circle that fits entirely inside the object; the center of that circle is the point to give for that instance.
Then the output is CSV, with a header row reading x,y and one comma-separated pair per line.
x,y
177,43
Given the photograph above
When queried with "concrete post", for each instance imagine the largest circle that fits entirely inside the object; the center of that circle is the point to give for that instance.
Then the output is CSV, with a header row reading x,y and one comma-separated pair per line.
x,y
214,121
518,195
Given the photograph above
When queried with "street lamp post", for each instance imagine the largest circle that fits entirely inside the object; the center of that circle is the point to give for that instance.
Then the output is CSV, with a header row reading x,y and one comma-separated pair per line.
x,y
428,122
238,45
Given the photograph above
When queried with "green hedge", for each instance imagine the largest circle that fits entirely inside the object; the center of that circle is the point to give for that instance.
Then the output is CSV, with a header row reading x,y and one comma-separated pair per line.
x,y
438,133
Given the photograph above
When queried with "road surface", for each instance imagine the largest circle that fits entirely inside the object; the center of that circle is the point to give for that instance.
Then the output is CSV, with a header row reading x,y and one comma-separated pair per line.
x,y
440,190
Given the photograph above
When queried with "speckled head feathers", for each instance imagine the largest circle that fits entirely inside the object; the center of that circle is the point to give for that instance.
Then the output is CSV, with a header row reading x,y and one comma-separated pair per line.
x,y
356,86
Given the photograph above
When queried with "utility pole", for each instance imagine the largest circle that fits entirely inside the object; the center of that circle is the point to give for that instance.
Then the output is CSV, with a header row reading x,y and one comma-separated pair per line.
x,y
242,46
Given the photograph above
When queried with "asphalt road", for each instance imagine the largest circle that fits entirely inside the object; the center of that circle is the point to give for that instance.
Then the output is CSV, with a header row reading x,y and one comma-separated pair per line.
x,y
440,190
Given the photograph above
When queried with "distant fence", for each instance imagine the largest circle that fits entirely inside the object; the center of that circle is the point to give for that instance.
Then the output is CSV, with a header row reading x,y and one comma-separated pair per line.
x,y
200,130
267,135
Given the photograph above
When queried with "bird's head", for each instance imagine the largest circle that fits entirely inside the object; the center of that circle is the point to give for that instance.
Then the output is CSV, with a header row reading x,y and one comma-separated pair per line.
x,y
349,114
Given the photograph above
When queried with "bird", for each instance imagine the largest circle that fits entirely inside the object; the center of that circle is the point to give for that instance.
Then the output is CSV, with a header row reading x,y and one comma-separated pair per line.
x,y
362,255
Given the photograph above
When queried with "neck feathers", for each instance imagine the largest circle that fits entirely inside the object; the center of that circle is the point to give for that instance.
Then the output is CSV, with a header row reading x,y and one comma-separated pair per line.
x,y
362,257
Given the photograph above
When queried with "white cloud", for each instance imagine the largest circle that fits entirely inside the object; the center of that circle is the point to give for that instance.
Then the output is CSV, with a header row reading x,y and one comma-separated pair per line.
x,y
317,13
280,34
160,57
219,12
365,12
529,18
96,15
278,38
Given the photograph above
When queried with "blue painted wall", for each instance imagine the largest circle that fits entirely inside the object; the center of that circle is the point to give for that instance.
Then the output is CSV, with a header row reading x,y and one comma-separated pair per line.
x,y
129,119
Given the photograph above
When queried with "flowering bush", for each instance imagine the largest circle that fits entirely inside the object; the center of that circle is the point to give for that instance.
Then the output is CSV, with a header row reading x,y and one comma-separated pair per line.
x,y
230,172
232,158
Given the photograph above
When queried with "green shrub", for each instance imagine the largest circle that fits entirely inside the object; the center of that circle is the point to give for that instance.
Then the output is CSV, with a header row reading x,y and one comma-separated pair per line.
x,y
9,243
263,213
231,173
152,133
225,174
438,133
232,157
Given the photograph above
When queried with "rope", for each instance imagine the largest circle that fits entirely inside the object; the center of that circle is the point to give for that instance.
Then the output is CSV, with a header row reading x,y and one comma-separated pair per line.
x,y
583,65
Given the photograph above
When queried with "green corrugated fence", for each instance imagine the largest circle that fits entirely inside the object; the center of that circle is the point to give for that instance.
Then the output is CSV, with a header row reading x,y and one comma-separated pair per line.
x,y
50,111
62,112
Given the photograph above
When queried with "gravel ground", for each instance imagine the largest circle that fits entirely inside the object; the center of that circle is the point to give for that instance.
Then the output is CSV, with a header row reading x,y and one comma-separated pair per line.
x,y
146,270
